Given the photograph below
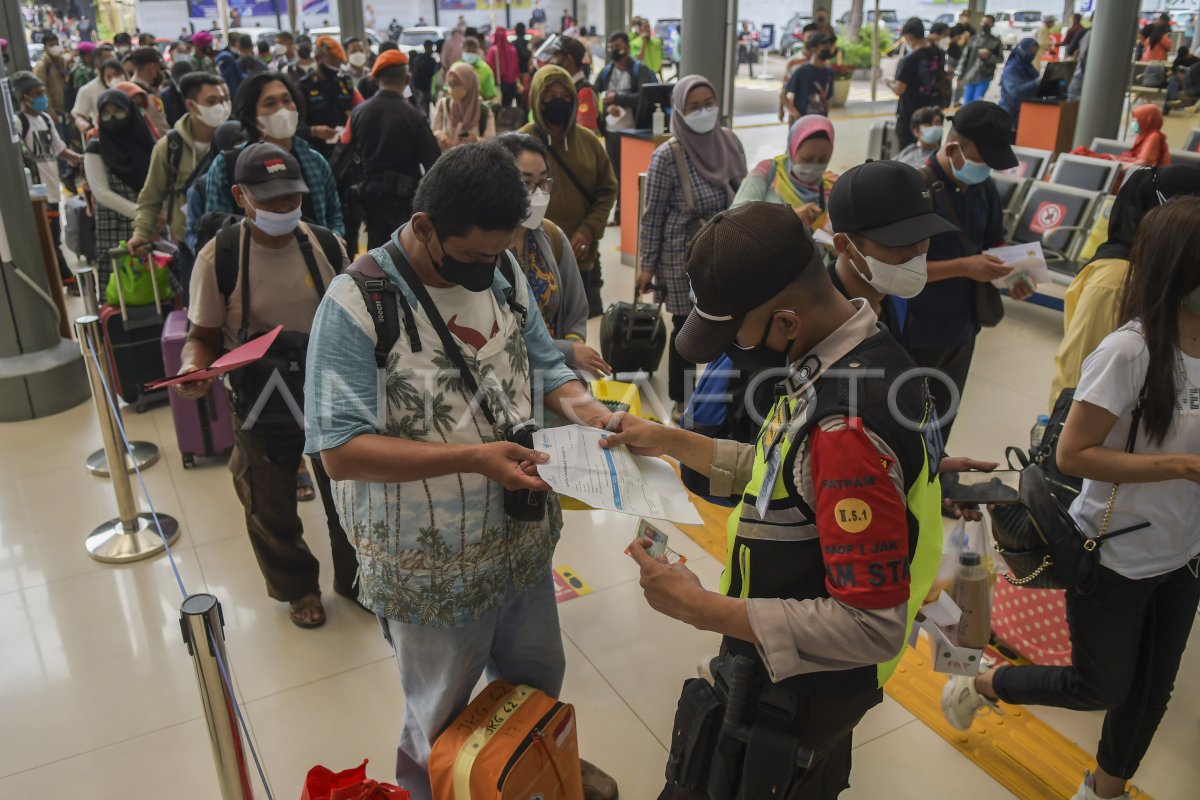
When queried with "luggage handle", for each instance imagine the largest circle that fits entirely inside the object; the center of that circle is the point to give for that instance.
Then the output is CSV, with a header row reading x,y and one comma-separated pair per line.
x,y
661,292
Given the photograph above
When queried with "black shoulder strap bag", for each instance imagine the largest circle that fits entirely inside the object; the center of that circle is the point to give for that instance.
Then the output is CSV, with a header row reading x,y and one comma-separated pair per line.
x,y
285,358
989,307
1042,543
523,505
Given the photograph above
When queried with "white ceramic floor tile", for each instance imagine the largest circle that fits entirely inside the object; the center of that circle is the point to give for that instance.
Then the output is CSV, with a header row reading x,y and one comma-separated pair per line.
x,y
642,654
92,660
336,721
174,762
271,653
914,763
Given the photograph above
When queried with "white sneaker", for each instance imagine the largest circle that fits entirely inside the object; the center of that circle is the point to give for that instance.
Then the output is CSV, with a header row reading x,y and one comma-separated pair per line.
x,y
961,702
1087,792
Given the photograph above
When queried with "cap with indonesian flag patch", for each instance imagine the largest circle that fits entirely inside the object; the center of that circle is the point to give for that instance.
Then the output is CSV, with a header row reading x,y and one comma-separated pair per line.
x,y
267,171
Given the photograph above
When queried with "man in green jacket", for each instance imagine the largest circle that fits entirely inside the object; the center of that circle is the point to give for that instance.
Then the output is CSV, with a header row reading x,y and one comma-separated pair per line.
x,y
585,187
473,55
176,156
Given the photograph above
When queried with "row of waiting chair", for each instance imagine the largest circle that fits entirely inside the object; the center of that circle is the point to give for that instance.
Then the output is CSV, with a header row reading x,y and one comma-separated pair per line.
x,y
1060,208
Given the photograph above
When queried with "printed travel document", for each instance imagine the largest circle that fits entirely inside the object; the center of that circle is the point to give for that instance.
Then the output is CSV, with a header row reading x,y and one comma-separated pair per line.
x,y
615,480
1025,259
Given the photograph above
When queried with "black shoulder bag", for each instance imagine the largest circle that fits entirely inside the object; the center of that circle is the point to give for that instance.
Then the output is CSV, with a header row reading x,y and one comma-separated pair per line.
x,y
285,358
524,505
1040,541
989,307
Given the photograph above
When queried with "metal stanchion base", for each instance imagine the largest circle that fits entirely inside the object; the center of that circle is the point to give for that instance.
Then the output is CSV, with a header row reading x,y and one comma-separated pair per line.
x,y
145,454
113,543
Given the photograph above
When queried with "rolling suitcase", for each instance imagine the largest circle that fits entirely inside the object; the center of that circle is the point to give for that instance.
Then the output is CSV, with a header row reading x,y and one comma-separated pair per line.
x,y
510,743
633,336
133,339
882,143
80,231
203,427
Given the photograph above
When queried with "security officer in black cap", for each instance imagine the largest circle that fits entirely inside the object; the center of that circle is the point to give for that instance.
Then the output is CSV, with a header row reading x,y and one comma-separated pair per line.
x,y
838,534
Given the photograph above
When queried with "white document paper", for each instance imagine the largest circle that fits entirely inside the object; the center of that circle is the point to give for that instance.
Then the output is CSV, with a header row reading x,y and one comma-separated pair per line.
x,y
614,480
1025,259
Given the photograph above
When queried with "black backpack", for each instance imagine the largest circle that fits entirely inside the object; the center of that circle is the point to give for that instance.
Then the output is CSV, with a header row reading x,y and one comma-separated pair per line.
x,y
225,229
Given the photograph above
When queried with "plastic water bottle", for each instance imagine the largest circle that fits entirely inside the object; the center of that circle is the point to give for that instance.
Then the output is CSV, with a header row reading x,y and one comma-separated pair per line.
x,y
1038,431
658,120
973,594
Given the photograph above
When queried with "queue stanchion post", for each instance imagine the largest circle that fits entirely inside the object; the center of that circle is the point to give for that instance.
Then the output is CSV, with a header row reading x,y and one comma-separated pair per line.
x,y
131,536
203,629
144,454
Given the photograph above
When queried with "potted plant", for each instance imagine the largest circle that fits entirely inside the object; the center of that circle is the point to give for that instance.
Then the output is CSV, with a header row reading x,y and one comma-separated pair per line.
x,y
842,75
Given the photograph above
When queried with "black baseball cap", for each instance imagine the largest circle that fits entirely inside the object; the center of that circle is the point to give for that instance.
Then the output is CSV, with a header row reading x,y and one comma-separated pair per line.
x,y
267,171
989,127
887,202
739,260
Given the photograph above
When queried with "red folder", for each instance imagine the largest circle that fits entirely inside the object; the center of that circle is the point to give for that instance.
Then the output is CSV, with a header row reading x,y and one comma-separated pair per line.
x,y
248,353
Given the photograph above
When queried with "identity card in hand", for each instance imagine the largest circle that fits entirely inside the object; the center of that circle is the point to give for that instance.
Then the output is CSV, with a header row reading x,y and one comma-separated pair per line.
x,y
616,479
1025,259
659,544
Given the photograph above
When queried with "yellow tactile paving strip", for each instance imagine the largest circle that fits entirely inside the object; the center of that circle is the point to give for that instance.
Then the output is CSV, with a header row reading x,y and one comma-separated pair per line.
x,y
1023,754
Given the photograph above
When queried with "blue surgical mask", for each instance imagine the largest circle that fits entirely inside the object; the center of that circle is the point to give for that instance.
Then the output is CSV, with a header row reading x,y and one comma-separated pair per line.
x,y
1135,128
471,58
972,172
931,134
40,103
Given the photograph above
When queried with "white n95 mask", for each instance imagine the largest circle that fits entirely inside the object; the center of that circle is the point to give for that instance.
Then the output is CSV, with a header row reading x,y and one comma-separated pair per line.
x,y
899,280
539,201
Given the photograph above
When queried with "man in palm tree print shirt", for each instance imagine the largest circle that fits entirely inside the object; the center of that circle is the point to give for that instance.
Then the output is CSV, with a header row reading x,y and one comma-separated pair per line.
x,y
420,472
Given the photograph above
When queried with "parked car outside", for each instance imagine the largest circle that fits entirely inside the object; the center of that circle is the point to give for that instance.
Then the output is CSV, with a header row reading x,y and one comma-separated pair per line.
x,y
889,20
413,38
793,32
336,32
1013,26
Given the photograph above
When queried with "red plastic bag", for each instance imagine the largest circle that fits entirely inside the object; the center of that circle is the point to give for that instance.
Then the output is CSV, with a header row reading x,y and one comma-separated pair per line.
x,y
323,783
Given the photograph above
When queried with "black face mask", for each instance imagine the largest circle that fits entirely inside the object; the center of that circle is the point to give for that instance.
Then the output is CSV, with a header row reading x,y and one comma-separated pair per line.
x,y
761,357
558,111
986,29
827,54
157,81
471,275
616,55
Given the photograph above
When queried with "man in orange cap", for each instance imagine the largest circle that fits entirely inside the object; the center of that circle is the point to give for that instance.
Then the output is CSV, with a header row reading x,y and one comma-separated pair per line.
x,y
330,96
394,146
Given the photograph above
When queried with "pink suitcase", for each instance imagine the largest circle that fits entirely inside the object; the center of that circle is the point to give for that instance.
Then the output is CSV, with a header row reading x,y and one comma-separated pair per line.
x,y
203,427
1032,622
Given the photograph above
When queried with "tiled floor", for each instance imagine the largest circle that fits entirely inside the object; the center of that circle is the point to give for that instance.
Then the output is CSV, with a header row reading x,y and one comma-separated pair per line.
x,y
97,697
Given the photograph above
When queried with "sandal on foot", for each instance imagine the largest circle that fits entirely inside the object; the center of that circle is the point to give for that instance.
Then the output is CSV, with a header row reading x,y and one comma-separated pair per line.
x,y
304,487
298,608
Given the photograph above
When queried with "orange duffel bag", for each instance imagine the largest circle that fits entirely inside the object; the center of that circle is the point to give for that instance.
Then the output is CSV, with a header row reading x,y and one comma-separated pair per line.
x,y
511,743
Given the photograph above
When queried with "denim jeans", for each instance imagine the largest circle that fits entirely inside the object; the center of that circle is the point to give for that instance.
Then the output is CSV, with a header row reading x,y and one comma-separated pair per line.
x,y
518,642
975,91
1127,639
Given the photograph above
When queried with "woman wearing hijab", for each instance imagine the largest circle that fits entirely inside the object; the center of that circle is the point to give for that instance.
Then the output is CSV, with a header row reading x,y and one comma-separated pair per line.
x,y
461,117
1150,146
546,258
677,204
799,178
116,162
1020,78
142,100
1093,300
502,58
